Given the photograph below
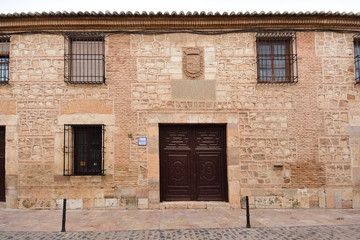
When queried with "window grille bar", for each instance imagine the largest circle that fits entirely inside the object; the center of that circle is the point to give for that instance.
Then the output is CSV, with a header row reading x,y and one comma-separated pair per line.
x,y
357,57
69,149
65,62
64,169
85,54
295,60
103,59
103,151
276,57
4,58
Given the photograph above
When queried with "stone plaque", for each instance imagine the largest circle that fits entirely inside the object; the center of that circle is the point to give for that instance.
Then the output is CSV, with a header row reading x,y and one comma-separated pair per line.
x,y
193,62
185,90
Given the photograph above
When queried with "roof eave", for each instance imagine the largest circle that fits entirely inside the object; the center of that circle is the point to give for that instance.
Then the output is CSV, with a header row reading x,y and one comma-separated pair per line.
x,y
166,21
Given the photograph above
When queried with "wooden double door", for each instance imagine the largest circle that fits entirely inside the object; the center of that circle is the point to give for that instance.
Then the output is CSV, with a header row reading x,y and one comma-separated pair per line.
x,y
193,162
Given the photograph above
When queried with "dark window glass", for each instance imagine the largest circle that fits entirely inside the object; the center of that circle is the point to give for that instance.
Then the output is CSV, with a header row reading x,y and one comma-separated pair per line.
x,y
87,150
4,59
4,68
84,149
357,60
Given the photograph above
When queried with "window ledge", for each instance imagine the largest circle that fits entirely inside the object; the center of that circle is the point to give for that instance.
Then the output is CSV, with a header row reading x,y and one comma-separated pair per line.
x,y
76,82
276,83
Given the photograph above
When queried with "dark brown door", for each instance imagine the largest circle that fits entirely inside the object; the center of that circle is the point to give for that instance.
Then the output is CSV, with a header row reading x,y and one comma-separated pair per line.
x,y
193,163
2,164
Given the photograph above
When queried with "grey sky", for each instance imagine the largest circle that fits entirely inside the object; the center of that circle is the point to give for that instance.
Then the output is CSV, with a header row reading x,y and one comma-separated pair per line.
x,y
179,5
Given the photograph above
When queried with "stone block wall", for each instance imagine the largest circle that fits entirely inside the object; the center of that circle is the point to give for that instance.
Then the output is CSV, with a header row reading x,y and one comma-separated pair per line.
x,y
289,145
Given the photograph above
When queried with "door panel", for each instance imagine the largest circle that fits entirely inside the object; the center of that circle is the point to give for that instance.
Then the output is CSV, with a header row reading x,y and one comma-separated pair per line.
x,y
178,176
177,139
193,162
209,138
210,176
2,164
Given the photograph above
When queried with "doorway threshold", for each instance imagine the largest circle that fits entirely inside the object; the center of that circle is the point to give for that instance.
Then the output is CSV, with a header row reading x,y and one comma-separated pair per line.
x,y
194,205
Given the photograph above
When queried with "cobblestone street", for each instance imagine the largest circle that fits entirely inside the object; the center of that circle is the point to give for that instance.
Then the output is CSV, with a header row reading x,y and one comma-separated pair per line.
x,y
181,224
314,232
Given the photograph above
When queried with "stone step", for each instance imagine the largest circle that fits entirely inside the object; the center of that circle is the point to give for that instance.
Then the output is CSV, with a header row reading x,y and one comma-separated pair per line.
x,y
2,205
195,205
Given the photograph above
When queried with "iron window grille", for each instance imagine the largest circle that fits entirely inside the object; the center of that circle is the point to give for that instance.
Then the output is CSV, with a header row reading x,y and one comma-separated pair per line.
x,y
276,57
4,58
357,57
84,149
84,57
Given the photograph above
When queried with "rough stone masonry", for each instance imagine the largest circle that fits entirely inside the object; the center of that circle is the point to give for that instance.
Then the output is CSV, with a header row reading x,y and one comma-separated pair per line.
x,y
288,145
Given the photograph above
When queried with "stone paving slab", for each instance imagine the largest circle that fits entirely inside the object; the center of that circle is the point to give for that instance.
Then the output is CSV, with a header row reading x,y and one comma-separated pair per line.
x,y
118,220
344,232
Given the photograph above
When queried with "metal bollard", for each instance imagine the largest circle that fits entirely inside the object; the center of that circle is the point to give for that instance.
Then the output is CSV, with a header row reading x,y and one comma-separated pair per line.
x,y
247,213
64,216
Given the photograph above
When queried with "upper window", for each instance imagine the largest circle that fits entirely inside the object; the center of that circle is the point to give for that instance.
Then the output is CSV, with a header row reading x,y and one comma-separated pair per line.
x,y
84,57
84,149
276,57
4,58
357,57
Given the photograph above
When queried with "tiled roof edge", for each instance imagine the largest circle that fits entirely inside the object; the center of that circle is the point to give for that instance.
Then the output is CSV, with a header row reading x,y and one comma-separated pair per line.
x,y
174,14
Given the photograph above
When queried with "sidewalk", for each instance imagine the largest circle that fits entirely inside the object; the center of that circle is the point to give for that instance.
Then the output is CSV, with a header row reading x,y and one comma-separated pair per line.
x,y
117,220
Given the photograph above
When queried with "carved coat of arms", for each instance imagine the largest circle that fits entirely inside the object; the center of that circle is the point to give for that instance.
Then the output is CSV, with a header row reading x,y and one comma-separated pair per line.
x,y
193,62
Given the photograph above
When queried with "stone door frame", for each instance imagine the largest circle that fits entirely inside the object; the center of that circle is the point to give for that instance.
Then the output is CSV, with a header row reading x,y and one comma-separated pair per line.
x,y
231,119
2,163
193,184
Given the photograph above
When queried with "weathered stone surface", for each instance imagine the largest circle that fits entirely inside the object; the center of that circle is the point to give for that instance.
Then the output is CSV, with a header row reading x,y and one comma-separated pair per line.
x,y
338,71
196,90
263,123
197,205
100,203
236,70
143,203
333,44
131,203
338,174
175,205
336,97
7,107
333,150
87,106
75,203
288,146
111,202
217,205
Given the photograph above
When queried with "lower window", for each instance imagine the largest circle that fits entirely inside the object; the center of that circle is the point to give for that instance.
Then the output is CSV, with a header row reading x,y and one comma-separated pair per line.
x,y
84,149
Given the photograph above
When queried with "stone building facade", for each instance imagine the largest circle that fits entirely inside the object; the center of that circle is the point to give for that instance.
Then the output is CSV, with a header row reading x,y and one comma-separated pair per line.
x,y
287,145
